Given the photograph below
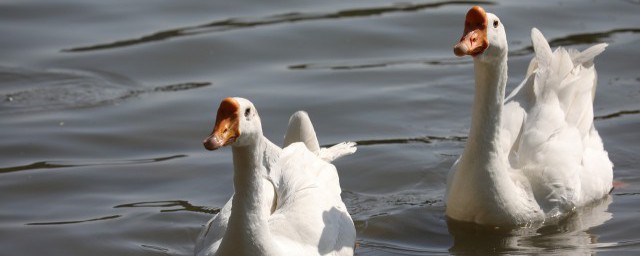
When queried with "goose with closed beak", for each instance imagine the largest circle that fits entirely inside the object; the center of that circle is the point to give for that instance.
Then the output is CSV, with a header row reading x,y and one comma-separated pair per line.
x,y
286,201
535,155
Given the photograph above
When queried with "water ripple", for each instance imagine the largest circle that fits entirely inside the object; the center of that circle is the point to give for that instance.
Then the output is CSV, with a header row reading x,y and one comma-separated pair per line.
x,y
53,165
73,221
424,139
627,194
570,40
617,114
156,248
382,64
365,206
240,23
366,247
433,139
582,38
53,89
181,204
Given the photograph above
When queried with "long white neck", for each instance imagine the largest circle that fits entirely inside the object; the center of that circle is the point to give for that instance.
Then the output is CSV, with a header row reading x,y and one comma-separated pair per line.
x,y
248,230
481,188
483,145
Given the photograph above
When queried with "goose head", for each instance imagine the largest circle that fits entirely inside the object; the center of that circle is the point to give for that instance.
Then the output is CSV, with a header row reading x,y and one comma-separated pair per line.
x,y
237,124
484,37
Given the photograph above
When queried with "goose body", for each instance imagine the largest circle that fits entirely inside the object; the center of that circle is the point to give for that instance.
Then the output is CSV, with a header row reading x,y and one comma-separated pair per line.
x,y
286,201
536,154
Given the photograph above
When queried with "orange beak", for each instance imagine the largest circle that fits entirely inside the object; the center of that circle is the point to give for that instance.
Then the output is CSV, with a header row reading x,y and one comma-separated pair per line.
x,y
227,127
474,39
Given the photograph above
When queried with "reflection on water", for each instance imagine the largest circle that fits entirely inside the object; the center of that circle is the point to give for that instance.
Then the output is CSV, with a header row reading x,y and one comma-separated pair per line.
x,y
569,236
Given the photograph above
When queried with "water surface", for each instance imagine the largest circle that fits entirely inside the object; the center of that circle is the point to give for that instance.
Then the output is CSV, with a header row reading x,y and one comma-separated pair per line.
x,y
104,104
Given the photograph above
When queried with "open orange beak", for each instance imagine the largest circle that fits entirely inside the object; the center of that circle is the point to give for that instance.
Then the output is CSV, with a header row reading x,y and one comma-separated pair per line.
x,y
227,127
474,39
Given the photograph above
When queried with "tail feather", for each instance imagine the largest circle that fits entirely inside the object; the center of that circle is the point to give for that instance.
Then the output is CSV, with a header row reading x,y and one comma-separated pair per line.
x,y
586,57
339,150
568,76
541,47
301,130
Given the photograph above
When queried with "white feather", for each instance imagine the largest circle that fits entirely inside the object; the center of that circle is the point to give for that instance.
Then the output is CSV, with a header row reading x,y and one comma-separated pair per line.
x,y
301,129
550,158
296,199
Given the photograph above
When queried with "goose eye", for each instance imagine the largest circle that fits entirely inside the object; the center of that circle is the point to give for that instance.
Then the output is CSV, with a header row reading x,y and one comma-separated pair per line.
x,y
495,23
247,112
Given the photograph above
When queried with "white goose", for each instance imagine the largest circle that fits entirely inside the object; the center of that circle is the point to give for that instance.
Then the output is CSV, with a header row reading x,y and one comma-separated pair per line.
x,y
538,155
286,201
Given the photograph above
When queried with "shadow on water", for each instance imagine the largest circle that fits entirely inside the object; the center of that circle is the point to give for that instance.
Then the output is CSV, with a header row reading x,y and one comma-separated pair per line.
x,y
52,165
568,236
240,23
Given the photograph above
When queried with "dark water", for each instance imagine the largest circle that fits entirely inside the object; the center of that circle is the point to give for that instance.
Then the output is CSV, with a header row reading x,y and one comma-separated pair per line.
x,y
103,106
